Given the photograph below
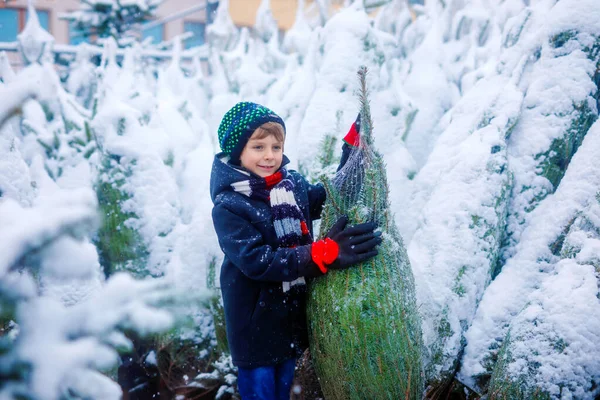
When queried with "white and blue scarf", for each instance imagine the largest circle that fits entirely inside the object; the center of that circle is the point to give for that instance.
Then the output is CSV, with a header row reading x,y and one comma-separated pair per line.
x,y
289,222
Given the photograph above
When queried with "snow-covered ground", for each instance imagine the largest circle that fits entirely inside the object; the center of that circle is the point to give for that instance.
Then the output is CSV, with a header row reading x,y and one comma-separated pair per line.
x,y
484,112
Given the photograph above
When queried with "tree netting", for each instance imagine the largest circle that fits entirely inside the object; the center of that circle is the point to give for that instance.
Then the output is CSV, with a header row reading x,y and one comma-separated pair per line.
x,y
365,331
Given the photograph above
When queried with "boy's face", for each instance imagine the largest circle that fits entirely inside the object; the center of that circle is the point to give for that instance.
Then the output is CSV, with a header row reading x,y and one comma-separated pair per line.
x,y
262,156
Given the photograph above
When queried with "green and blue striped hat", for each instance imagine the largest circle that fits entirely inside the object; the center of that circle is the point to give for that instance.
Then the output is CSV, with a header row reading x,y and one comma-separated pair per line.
x,y
239,123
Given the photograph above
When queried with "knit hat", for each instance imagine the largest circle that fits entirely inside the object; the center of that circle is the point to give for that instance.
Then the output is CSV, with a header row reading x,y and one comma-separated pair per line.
x,y
239,123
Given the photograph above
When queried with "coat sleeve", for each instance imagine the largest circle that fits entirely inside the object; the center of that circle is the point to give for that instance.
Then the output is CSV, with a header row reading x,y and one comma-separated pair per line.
x,y
244,245
316,199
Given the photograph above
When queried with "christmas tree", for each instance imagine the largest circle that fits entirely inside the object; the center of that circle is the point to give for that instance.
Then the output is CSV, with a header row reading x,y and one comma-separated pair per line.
x,y
365,331
110,18
52,342
534,361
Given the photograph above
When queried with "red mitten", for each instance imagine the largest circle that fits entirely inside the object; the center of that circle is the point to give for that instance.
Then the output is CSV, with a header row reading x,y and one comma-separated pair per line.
x,y
324,252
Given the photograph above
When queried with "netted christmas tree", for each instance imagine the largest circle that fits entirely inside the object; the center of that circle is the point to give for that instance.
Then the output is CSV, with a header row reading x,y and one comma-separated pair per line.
x,y
364,325
552,346
510,340
555,113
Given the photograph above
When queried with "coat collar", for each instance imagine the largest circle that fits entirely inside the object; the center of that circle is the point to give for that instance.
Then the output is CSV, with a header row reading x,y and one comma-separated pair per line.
x,y
223,174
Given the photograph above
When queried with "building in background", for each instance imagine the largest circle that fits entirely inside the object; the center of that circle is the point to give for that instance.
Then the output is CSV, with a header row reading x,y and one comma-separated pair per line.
x,y
13,14
173,17
174,13
243,12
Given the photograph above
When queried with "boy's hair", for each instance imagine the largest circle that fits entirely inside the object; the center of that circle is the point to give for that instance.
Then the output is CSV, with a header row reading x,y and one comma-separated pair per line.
x,y
270,129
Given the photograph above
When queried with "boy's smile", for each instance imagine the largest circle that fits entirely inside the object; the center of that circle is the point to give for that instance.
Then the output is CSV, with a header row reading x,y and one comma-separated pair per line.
x,y
262,156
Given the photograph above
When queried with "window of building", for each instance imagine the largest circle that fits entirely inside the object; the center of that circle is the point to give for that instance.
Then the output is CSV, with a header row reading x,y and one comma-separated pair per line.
x,y
9,25
43,17
12,21
157,33
198,29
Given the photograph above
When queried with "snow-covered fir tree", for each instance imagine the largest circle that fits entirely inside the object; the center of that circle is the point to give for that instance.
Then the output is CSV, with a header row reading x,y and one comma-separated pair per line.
x,y
62,324
110,18
484,114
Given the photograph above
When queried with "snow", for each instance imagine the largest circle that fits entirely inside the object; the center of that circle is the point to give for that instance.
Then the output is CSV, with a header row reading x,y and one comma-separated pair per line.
x,y
469,100
66,344
222,33
295,39
534,284
17,92
15,180
265,25
111,18
454,249
332,106
25,229
7,74
34,41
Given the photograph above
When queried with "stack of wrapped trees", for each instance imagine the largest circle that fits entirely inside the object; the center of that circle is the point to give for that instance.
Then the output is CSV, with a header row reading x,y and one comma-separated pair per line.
x,y
364,325
534,334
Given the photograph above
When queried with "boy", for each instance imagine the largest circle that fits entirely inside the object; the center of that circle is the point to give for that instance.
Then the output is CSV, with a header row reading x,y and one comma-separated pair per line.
x,y
263,217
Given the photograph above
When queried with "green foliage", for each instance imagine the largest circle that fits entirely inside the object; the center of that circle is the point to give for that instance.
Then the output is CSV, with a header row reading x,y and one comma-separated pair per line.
x,y
190,362
47,148
498,233
48,112
15,372
515,32
364,325
503,387
560,39
553,162
370,47
217,310
327,156
444,330
327,160
120,247
180,355
556,247
121,126
565,247
410,118
185,112
170,161
110,19
505,384
7,313
556,160
70,125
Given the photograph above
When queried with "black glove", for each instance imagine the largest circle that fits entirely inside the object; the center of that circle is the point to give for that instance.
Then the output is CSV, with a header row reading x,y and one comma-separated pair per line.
x,y
356,243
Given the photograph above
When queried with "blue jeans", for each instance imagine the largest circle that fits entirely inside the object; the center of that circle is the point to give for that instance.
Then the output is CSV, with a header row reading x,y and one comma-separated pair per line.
x,y
267,383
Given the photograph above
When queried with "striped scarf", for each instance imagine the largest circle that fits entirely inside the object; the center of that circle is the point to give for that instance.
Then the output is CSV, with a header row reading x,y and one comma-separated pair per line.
x,y
288,220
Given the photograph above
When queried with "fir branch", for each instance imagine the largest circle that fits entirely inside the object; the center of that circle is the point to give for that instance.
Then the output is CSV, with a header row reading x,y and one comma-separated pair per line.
x,y
366,129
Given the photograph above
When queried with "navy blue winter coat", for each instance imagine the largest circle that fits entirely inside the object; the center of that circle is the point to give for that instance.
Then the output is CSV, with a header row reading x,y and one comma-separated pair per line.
x,y
264,324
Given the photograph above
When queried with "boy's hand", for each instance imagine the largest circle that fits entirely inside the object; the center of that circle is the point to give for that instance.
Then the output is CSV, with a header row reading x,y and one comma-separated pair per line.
x,y
344,247
351,141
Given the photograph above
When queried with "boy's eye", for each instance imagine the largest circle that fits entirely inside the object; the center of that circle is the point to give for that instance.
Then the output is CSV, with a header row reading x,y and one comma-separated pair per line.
x,y
257,147
277,147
